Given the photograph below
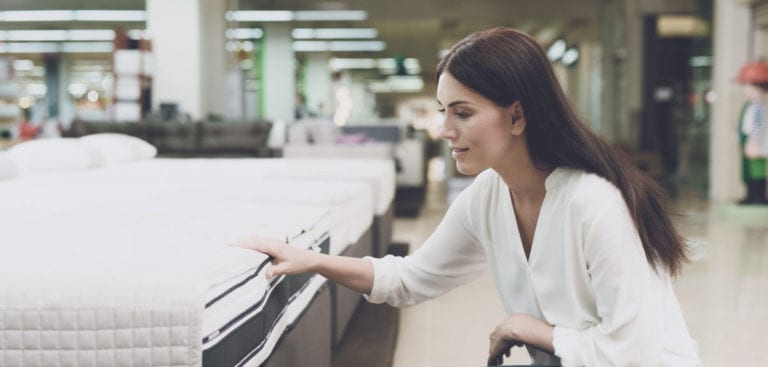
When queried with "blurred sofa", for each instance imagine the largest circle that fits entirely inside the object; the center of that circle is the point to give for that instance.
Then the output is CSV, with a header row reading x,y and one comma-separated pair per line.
x,y
192,139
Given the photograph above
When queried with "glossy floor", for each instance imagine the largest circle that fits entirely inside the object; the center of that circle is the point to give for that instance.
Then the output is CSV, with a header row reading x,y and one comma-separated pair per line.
x,y
723,293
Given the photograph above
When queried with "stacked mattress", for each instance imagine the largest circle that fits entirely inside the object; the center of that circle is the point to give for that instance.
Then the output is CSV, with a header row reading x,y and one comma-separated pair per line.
x,y
151,283
325,182
128,264
379,175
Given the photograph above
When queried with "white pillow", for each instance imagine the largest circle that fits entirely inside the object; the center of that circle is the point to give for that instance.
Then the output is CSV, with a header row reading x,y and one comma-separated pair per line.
x,y
115,147
56,154
8,168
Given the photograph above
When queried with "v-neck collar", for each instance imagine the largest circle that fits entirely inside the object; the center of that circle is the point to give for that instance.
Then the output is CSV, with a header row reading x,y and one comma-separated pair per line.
x,y
550,183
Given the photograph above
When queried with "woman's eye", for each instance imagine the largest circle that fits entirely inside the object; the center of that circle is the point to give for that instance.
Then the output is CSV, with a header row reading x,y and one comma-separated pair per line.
x,y
461,114
442,110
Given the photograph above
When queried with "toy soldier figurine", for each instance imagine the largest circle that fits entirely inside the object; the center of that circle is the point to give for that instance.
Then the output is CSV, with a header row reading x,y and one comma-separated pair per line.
x,y
753,131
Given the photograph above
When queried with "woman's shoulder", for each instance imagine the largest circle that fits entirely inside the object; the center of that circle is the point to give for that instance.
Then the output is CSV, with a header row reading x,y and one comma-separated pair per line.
x,y
587,190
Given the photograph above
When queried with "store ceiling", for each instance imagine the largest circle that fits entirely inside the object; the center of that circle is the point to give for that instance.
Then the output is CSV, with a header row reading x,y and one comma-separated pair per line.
x,y
413,28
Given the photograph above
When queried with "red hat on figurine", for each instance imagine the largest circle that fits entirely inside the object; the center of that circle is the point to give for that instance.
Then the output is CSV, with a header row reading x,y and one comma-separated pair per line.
x,y
754,73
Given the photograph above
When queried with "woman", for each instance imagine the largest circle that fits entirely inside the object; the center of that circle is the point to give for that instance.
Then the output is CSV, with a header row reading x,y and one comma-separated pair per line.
x,y
577,239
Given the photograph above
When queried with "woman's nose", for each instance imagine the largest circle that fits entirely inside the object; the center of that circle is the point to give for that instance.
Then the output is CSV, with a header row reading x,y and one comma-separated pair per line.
x,y
446,132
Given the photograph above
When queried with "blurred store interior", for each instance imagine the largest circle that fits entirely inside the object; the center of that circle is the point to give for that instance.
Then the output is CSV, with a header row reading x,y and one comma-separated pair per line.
x,y
264,79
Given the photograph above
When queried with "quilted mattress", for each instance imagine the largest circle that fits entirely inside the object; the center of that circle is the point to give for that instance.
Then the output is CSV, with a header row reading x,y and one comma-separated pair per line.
x,y
350,202
379,174
150,283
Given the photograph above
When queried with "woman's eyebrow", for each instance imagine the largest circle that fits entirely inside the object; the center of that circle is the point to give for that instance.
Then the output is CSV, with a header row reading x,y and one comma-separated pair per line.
x,y
454,103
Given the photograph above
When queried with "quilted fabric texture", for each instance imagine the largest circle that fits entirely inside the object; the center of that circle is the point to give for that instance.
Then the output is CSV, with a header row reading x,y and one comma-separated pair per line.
x,y
85,329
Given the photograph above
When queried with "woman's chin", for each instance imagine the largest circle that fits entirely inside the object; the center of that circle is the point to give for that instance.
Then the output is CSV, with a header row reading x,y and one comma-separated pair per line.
x,y
466,169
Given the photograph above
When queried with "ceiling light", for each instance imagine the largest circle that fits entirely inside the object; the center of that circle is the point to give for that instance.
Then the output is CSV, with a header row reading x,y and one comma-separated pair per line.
x,y
357,46
37,16
556,51
260,15
287,15
385,65
58,35
29,47
337,63
397,84
570,56
55,47
73,16
330,15
33,35
338,46
91,35
110,15
244,33
334,33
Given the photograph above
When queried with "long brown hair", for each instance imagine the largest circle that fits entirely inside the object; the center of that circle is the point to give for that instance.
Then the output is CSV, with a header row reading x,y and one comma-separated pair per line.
x,y
506,65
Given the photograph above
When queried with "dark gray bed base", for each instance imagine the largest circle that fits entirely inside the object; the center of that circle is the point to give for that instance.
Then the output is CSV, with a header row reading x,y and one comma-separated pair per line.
x,y
382,231
308,342
344,300
245,341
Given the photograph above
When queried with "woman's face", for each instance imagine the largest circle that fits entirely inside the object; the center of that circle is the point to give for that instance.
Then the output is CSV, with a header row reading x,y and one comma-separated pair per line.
x,y
479,133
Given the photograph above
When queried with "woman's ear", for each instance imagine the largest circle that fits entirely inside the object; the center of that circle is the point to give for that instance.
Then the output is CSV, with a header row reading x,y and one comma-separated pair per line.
x,y
516,118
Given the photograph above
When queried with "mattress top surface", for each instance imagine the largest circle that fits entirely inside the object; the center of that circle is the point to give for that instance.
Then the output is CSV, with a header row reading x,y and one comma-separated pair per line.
x,y
178,243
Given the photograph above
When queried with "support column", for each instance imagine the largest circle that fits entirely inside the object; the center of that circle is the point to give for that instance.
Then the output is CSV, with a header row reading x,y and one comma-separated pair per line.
x,y
279,76
215,65
52,83
67,108
732,27
611,40
633,69
318,84
189,59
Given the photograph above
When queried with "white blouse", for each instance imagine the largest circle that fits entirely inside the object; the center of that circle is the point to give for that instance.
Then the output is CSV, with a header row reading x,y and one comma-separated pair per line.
x,y
586,273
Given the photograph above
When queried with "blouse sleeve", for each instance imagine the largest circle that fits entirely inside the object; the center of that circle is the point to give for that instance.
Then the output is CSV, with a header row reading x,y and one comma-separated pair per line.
x,y
451,256
628,295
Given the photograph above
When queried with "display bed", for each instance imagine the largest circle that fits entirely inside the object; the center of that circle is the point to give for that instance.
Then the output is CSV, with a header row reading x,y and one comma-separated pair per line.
x,y
103,242
151,283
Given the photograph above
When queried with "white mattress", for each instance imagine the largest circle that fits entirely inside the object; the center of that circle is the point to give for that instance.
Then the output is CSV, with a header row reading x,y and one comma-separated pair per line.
x,y
378,173
367,150
349,202
125,283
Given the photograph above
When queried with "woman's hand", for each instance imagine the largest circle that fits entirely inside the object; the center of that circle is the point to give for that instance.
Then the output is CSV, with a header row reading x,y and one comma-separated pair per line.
x,y
501,345
287,259
502,341
515,331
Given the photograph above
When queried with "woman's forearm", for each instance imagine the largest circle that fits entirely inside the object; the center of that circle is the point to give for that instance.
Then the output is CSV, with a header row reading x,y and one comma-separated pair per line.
x,y
352,272
534,332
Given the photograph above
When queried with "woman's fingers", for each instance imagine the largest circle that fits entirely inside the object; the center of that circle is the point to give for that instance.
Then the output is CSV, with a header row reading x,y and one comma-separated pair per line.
x,y
496,351
495,361
276,270
286,259
260,244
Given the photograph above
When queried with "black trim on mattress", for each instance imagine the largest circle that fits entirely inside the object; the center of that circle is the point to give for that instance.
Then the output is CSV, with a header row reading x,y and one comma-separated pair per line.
x,y
239,343
239,284
287,327
324,248
245,341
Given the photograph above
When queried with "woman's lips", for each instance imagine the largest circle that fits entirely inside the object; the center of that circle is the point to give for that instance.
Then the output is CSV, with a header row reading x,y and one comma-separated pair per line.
x,y
458,152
